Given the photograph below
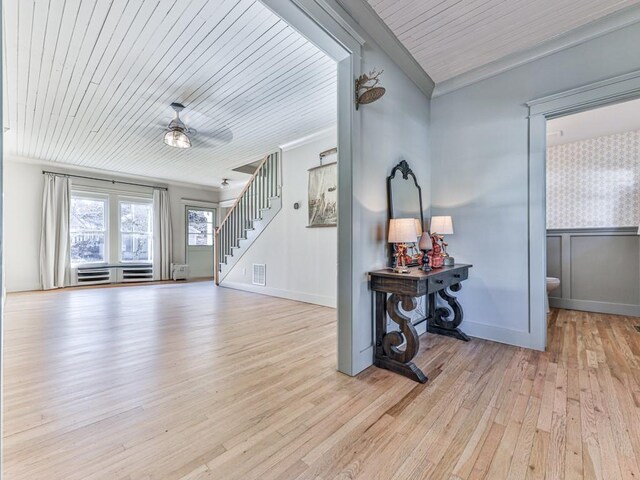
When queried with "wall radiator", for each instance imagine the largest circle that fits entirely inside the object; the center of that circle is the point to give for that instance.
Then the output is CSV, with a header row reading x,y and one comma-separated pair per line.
x,y
104,275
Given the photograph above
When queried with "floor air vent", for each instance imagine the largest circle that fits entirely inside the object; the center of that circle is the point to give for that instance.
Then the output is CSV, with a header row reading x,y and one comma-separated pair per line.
x,y
259,274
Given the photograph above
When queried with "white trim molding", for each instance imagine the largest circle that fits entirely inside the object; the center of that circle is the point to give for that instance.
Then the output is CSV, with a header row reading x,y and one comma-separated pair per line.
x,y
70,168
277,292
577,36
310,138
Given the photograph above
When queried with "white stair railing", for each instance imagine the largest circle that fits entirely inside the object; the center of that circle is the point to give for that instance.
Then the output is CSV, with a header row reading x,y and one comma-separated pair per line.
x,y
256,195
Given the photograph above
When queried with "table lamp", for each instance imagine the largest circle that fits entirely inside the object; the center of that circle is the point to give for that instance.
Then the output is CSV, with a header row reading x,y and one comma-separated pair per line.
x,y
401,232
442,226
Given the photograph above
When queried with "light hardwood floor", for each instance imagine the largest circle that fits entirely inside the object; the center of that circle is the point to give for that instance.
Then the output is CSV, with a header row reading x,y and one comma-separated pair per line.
x,y
187,381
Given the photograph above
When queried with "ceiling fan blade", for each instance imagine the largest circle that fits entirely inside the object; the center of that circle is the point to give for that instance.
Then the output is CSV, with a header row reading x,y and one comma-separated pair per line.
x,y
221,135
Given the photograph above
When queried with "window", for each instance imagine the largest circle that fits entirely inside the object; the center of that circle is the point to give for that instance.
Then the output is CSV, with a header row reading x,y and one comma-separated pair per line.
x,y
136,231
200,227
88,229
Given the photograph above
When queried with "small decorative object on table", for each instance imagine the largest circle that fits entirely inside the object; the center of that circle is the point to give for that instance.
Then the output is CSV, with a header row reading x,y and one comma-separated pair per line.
x,y
442,226
401,232
435,255
425,244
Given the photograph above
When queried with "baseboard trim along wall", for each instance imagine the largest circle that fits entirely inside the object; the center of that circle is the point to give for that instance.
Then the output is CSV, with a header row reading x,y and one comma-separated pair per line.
x,y
498,334
275,292
597,307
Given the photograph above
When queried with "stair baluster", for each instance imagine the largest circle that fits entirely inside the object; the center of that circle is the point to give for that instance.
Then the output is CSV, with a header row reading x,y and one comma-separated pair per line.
x,y
248,207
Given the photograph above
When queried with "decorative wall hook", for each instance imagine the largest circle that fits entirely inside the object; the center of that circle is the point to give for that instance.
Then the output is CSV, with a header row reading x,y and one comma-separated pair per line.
x,y
369,84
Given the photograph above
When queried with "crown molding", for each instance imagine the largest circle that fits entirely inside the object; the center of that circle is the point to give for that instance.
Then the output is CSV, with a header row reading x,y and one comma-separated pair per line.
x,y
374,26
69,168
333,130
597,28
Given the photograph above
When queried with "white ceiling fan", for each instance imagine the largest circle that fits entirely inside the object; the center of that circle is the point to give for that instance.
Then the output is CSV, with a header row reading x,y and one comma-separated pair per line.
x,y
178,135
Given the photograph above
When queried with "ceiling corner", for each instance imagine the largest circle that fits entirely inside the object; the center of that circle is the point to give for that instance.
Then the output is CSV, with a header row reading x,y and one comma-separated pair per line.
x,y
378,30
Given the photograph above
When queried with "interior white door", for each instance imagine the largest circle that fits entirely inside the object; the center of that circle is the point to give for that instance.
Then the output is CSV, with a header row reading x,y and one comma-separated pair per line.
x,y
199,241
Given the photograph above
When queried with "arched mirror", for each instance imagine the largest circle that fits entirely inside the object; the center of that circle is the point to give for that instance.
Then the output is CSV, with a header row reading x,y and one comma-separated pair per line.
x,y
404,200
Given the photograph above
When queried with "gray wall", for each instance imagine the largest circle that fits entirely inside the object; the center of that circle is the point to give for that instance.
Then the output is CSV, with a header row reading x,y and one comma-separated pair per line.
x,y
598,268
394,128
480,174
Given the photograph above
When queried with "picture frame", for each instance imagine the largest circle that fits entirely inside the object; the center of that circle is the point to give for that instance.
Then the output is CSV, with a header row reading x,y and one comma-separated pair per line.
x,y
323,196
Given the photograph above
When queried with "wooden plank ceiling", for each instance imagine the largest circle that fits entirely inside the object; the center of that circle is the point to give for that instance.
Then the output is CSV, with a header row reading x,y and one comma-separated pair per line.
x,y
89,83
451,37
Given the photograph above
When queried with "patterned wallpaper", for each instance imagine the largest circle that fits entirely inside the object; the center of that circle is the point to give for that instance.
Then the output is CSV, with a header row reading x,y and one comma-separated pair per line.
x,y
595,182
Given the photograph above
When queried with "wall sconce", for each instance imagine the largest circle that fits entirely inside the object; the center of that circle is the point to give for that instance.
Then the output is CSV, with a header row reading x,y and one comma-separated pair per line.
x,y
369,84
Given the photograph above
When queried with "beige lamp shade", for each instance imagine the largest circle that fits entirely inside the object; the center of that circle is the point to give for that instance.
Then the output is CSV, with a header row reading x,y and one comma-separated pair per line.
x,y
418,226
441,225
403,230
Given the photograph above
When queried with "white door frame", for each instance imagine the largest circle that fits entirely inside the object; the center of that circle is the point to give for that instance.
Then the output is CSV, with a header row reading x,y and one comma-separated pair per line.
x,y
191,206
615,90
321,22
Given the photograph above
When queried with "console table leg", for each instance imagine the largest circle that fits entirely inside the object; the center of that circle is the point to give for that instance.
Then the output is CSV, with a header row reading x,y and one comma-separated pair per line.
x,y
387,353
439,321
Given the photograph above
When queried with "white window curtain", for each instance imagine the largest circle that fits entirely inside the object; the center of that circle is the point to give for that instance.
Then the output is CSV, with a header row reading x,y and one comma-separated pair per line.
x,y
54,239
162,235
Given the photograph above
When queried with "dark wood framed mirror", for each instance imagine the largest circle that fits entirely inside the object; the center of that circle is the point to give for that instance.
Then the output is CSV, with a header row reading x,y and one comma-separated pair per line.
x,y
404,200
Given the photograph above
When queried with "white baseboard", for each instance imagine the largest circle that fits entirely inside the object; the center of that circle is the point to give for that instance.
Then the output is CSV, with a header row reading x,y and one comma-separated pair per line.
x,y
23,288
516,338
276,292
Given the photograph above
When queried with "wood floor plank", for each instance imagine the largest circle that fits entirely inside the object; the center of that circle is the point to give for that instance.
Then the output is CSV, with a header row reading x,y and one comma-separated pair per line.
x,y
190,382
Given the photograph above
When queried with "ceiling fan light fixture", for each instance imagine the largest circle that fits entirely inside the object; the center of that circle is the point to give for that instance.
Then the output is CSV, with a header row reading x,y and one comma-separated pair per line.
x,y
177,138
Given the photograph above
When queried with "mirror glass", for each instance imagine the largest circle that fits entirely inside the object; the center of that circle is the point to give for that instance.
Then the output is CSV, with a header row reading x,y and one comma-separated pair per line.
x,y
404,197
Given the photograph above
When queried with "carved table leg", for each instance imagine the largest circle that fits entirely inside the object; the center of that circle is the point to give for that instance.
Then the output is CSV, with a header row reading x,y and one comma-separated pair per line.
x,y
439,321
388,355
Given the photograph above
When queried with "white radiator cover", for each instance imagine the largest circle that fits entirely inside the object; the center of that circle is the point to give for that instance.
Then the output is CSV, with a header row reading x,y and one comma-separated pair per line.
x,y
111,274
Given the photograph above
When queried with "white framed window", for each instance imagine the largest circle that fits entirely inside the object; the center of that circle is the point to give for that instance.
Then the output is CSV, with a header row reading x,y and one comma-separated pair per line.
x,y
88,227
200,227
136,230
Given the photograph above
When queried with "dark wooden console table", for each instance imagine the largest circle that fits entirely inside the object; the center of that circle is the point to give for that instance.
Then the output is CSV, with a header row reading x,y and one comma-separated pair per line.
x,y
402,289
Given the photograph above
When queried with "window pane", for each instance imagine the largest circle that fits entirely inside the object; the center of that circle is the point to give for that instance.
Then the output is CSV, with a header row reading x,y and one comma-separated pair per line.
x,y
87,214
201,227
200,216
135,217
87,247
135,247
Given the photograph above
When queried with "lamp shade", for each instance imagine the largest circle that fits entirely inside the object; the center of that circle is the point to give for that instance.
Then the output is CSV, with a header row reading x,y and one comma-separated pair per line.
x,y
442,225
425,242
418,226
402,230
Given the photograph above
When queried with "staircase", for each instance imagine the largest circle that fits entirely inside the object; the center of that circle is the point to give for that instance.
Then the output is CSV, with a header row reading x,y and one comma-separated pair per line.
x,y
254,209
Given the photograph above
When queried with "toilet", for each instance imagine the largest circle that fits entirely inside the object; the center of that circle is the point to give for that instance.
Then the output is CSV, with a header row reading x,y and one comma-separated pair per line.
x,y
552,284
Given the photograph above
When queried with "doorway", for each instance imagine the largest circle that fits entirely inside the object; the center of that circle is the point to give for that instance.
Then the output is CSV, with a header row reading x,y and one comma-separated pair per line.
x,y
593,210
199,238
608,92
